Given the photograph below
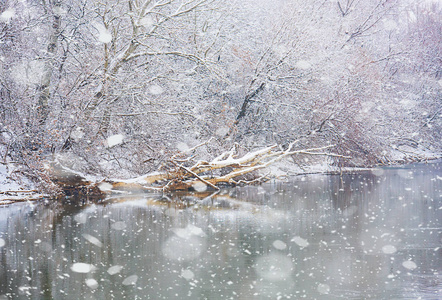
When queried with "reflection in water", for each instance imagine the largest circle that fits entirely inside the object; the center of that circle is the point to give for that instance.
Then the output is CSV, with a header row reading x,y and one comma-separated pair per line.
x,y
373,235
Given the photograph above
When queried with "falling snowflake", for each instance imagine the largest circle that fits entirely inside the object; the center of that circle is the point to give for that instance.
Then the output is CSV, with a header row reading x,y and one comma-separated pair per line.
x,y
114,270
82,268
300,241
92,283
131,280
155,90
410,265
280,245
7,15
114,140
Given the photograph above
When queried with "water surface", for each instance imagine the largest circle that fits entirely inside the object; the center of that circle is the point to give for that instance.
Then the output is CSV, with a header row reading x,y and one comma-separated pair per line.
x,y
371,235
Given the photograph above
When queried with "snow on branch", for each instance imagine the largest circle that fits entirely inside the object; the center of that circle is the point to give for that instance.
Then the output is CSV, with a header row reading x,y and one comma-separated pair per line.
x,y
226,168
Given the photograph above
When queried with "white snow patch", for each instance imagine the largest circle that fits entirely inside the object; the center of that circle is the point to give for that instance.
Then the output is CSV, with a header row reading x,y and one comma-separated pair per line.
x,y
156,90
189,231
131,280
390,25
93,240
180,249
5,182
2,242
377,172
183,147
104,34
82,268
59,11
114,140
28,72
274,267
147,22
406,174
349,211
280,245
323,288
77,134
410,265
303,65
199,186
412,17
105,187
187,274
80,218
114,269
119,225
92,283
300,241
222,131
389,249
7,15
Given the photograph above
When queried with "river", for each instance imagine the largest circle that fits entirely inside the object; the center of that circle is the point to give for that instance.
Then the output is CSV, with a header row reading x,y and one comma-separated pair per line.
x,y
368,235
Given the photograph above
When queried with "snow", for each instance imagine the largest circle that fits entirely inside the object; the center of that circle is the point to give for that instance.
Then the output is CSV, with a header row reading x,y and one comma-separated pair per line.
x,y
183,147
280,245
156,90
77,134
390,25
131,280
82,268
274,267
222,131
105,187
104,35
7,183
147,22
7,15
199,186
114,140
323,288
389,249
80,218
93,240
92,283
300,241
377,171
114,269
28,72
303,65
189,247
189,231
410,265
119,225
187,274
59,11
2,242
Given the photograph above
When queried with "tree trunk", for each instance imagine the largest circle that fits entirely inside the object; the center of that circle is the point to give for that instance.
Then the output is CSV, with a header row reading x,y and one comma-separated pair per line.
x,y
43,90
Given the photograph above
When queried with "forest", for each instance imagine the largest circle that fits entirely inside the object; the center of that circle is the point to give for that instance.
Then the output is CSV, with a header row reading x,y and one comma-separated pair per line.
x,y
124,88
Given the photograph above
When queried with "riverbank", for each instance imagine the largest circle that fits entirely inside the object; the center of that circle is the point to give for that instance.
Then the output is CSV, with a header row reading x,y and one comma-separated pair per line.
x,y
16,187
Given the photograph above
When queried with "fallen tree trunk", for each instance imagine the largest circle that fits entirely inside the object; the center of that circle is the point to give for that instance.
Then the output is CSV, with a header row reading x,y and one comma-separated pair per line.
x,y
227,168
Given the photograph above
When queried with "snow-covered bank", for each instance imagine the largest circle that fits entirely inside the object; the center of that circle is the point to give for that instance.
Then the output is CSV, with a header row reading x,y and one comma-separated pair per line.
x,y
395,157
15,188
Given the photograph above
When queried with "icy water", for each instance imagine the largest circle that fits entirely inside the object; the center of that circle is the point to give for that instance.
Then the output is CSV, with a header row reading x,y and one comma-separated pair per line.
x,y
371,235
